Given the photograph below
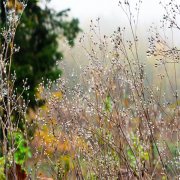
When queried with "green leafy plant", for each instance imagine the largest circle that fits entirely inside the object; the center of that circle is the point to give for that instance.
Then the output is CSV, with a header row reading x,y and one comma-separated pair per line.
x,y
22,152
139,151
2,162
108,104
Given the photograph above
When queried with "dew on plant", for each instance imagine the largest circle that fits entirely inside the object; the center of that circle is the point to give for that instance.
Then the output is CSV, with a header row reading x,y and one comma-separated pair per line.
x,y
107,119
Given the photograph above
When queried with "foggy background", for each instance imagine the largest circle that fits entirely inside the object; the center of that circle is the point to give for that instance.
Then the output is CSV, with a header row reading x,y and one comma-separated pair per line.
x,y
109,12
111,16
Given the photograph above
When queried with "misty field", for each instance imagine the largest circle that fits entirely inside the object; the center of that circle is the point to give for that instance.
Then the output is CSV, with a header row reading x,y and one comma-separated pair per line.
x,y
116,116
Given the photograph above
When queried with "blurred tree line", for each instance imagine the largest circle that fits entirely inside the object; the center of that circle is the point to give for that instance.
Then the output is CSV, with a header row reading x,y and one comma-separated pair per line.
x,y
37,36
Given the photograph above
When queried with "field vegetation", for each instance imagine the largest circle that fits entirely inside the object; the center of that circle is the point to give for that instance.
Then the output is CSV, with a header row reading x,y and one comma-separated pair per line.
x,y
112,122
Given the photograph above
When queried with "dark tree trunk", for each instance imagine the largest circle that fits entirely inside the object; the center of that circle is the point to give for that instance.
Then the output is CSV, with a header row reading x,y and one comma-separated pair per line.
x,y
3,16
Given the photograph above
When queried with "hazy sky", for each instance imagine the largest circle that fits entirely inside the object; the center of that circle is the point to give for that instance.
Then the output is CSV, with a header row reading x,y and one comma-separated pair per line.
x,y
111,17
108,11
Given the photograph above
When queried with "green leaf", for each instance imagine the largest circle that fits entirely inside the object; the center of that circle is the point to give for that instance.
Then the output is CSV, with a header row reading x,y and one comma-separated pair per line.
x,y
22,152
108,104
2,162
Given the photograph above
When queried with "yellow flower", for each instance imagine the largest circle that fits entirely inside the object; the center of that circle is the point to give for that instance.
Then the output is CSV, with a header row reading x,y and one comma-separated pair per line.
x,y
15,4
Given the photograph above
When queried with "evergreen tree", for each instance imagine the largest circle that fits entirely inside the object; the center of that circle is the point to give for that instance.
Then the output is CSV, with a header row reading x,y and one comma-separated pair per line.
x,y
37,36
